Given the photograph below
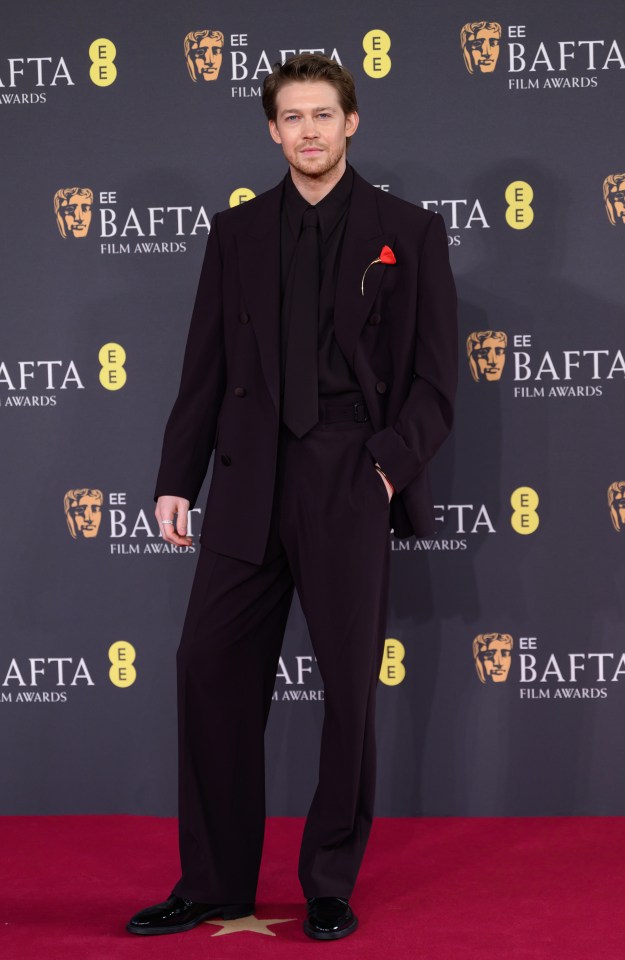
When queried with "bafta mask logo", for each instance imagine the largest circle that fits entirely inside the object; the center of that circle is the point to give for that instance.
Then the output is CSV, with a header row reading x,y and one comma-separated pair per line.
x,y
480,45
492,653
72,207
203,51
486,350
616,504
83,512
614,198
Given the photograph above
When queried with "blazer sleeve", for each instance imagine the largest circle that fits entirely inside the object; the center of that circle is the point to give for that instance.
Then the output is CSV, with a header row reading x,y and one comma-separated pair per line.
x,y
190,430
426,415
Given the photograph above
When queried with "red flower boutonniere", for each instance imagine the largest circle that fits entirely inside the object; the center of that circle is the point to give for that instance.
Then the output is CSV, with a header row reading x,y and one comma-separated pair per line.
x,y
386,255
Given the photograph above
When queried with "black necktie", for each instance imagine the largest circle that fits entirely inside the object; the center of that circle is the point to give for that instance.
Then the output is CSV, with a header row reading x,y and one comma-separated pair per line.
x,y
301,392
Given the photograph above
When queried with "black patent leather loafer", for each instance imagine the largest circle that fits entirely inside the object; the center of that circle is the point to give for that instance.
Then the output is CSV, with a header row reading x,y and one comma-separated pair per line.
x,y
329,918
175,915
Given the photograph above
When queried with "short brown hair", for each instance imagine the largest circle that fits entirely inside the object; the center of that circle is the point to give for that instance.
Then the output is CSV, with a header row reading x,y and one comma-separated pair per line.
x,y
309,66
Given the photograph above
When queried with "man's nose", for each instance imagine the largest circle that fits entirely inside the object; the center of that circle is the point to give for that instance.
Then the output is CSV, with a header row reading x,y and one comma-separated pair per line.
x,y
310,129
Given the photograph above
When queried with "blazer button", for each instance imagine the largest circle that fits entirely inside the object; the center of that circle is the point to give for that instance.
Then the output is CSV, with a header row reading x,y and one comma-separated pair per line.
x,y
375,318
380,386
414,376
240,391
244,317
225,459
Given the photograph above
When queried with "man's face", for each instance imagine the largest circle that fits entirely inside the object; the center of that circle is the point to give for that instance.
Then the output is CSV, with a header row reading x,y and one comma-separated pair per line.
x,y
311,126
617,198
484,50
495,661
489,359
207,56
76,216
87,513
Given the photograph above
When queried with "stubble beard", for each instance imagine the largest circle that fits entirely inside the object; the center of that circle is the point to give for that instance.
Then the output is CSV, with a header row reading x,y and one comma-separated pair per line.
x,y
318,172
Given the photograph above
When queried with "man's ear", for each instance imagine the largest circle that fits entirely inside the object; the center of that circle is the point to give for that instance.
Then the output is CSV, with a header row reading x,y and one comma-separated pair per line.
x,y
351,124
273,131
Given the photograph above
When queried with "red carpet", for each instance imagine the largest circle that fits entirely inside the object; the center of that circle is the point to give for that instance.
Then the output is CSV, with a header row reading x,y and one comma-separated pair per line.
x,y
429,889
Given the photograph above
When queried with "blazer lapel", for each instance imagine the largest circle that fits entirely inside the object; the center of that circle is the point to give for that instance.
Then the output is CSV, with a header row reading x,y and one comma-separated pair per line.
x,y
362,243
259,259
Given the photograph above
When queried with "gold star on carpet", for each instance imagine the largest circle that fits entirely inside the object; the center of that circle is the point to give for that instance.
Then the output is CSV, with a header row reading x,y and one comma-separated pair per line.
x,y
252,923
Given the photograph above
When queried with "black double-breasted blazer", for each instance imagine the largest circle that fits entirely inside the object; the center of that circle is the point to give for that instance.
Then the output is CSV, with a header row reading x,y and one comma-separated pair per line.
x,y
400,339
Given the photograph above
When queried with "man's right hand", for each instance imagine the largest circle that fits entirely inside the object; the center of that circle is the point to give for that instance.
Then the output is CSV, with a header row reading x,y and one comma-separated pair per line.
x,y
176,532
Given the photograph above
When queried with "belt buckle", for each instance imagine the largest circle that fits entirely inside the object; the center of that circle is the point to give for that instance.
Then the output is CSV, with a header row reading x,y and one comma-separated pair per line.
x,y
364,417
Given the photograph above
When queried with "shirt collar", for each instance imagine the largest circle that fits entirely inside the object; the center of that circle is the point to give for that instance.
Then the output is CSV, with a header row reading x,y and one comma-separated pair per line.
x,y
330,209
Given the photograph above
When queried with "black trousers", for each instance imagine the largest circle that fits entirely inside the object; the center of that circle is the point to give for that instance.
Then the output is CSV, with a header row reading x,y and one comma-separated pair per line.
x,y
330,539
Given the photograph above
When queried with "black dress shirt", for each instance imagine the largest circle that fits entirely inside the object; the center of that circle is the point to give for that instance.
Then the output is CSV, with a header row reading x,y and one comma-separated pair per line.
x,y
335,376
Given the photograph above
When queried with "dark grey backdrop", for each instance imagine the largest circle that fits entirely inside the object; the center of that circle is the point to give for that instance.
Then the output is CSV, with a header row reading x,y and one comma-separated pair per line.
x,y
75,742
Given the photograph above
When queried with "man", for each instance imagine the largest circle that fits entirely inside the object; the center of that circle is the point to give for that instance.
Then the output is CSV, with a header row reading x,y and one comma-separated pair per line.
x,y
321,366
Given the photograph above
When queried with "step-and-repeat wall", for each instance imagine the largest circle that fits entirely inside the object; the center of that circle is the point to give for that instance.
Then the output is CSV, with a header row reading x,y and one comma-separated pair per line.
x,y
125,126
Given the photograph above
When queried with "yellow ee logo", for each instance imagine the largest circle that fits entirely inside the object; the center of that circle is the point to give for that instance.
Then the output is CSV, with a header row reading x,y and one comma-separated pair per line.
x,y
112,357
122,656
241,195
376,45
524,501
102,71
519,213
393,670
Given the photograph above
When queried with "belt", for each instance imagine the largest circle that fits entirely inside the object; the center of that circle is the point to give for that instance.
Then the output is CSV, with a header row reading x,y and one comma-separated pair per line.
x,y
334,411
